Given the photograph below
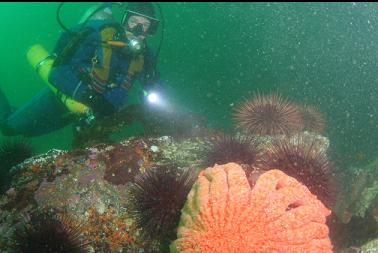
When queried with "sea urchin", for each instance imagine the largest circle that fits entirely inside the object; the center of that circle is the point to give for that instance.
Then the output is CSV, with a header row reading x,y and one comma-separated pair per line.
x,y
156,198
12,152
312,119
268,115
225,149
49,234
304,159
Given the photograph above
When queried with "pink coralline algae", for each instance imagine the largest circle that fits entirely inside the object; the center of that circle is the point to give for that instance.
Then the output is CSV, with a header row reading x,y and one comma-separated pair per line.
x,y
223,214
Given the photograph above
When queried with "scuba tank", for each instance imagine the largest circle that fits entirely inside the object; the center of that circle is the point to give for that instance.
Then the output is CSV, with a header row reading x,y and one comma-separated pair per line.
x,y
42,61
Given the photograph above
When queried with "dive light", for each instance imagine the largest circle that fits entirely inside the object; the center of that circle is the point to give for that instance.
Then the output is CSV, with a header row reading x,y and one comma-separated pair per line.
x,y
135,45
151,97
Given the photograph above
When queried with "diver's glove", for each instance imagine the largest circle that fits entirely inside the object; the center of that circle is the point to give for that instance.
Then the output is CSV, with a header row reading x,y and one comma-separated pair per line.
x,y
87,119
84,123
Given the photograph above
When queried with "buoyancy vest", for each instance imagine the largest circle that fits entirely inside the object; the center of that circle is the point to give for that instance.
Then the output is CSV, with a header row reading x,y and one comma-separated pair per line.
x,y
89,67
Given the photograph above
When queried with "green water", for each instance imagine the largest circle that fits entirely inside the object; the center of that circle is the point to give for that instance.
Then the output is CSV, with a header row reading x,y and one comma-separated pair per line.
x,y
215,54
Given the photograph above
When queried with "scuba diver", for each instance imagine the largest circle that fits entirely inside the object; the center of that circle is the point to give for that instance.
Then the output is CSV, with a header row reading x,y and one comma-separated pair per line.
x,y
94,66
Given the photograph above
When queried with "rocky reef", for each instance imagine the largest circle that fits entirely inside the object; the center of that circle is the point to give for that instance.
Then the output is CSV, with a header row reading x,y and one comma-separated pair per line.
x,y
357,208
91,186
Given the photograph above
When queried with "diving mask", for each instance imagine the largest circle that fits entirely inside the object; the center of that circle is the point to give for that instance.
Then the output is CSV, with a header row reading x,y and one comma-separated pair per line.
x,y
143,29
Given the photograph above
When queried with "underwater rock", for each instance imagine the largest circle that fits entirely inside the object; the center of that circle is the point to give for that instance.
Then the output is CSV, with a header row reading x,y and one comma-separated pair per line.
x,y
77,183
356,209
74,183
123,162
360,192
370,247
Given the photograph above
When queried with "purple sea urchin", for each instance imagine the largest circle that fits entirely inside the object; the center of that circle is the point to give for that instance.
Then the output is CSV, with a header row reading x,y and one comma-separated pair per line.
x,y
48,234
225,149
156,198
312,119
303,159
12,152
268,115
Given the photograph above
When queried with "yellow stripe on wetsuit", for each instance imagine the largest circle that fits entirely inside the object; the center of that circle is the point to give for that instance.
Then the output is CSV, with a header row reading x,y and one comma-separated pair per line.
x,y
102,72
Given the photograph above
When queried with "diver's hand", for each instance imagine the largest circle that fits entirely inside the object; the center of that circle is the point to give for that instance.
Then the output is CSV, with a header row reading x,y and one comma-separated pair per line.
x,y
84,123
87,119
